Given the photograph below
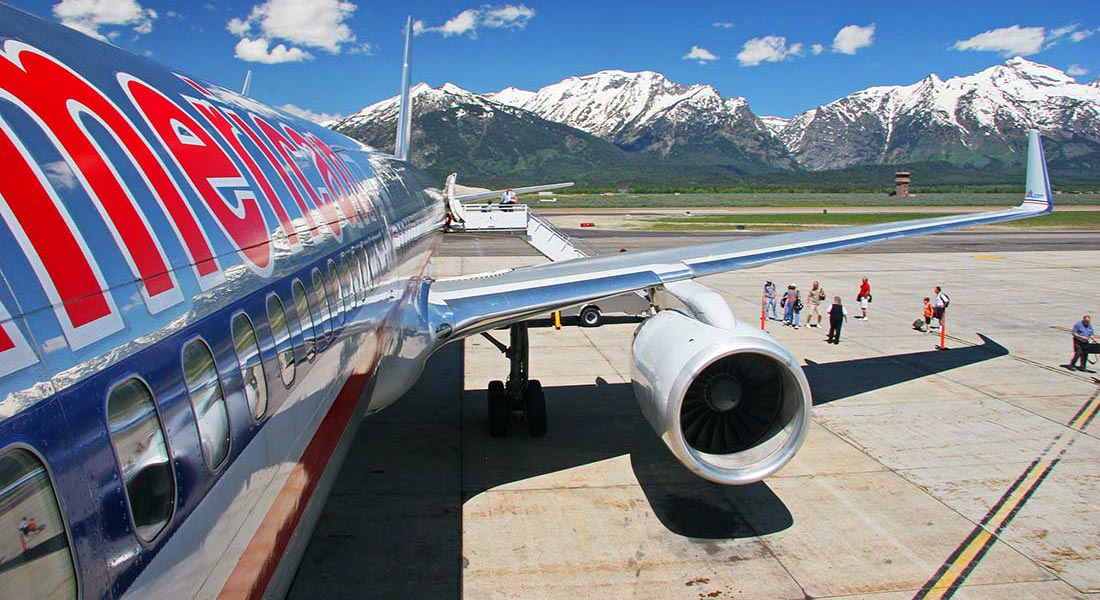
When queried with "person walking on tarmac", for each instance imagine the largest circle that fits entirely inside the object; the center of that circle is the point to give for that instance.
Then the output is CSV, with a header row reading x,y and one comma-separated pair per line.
x,y
939,306
769,300
816,297
1082,340
837,315
864,298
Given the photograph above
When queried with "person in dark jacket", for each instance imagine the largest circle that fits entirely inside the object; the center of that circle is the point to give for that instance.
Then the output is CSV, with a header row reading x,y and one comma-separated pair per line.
x,y
837,316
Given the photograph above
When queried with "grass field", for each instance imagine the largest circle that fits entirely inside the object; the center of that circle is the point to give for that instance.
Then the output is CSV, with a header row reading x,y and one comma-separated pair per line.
x,y
796,200
1079,220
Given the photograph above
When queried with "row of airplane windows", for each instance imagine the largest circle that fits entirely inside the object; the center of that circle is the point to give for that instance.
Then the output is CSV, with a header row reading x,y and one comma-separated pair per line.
x,y
40,563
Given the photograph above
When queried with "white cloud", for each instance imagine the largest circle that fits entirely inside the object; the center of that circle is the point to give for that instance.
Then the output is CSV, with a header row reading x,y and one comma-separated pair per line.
x,y
317,24
88,16
722,24
309,115
700,54
851,38
1077,70
1008,41
467,22
1079,36
464,22
1055,35
817,49
770,48
257,50
507,16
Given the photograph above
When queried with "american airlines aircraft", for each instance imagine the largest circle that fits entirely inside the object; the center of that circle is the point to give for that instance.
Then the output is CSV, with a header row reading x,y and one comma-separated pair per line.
x,y
201,297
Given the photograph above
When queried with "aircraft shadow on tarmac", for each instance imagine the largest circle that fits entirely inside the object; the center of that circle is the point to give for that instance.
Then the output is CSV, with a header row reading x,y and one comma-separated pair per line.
x,y
393,525
838,380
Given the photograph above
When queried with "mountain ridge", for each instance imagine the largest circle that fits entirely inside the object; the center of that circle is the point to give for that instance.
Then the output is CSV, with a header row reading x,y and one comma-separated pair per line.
x,y
651,125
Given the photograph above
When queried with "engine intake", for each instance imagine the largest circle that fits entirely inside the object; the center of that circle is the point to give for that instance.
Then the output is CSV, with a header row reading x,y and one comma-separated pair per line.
x,y
732,404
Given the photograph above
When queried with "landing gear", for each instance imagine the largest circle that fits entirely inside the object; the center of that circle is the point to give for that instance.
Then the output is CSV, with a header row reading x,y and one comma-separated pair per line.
x,y
520,398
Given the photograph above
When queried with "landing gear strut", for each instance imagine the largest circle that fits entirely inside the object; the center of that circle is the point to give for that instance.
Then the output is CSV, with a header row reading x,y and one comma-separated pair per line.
x,y
520,398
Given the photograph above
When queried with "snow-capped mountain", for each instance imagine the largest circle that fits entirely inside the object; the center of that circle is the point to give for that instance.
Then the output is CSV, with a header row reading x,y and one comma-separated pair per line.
x,y
774,124
487,142
620,127
975,119
512,96
647,112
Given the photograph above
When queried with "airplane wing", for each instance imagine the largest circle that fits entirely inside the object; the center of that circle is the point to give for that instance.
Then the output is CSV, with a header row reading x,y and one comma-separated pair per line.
x,y
476,196
469,305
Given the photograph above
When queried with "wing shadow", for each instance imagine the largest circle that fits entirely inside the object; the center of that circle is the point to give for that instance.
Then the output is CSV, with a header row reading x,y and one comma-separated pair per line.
x,y
842,379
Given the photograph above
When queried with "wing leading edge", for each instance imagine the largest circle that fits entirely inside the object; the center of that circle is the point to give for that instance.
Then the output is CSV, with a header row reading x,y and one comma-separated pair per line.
x,y
466,306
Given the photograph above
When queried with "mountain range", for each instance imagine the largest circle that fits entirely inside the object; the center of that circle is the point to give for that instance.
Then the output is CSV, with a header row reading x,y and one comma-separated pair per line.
x,y
617,127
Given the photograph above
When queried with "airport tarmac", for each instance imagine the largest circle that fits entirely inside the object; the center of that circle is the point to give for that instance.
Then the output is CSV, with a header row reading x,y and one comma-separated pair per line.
x,y
603,241
965,473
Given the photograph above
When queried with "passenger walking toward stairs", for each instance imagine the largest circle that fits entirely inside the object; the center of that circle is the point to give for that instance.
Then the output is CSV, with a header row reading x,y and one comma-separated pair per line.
x,y
837,316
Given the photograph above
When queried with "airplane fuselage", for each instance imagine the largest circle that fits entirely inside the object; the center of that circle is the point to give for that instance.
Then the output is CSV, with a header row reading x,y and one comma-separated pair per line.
x,y
201,298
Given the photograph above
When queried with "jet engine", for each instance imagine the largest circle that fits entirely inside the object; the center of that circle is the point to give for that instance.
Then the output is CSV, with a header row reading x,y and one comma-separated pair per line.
x,y
731,403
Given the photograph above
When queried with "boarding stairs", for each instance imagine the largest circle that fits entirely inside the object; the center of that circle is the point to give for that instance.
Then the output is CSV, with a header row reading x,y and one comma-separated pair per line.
x,y
550,241
553,243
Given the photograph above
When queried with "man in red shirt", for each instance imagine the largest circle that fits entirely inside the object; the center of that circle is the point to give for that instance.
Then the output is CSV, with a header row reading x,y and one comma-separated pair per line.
x,y
864,298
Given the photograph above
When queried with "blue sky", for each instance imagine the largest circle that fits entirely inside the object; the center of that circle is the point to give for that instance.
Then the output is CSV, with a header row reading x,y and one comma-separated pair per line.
x,y
343,54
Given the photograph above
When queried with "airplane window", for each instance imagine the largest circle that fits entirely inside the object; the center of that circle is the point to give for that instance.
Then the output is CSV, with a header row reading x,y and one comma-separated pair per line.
x,y
252,368
336,290
324,314
349,281
203,385
35,560
344,280
301,304
359,273
369,270
276,319
138,438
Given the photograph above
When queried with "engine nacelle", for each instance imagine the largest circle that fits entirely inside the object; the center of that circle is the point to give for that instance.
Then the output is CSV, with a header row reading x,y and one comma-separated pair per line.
x,y
732,404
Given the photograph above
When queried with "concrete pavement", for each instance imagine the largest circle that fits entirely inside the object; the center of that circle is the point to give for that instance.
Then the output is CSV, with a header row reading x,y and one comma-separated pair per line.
x,y
968,473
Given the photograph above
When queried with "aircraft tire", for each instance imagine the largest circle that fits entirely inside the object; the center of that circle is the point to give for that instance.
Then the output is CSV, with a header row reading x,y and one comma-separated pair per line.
x,y
535,400
500,411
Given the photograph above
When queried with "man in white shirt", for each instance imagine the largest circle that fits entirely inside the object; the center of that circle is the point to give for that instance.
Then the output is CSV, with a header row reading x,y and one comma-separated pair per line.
x,y
939,306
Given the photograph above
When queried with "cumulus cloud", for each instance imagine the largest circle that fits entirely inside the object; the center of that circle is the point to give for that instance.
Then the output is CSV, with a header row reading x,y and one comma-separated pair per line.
x,y
319,24
770,48
1077,70
309,115
817,49
258,50
722,24
700,54
89,16
851,38
467,22
1007,41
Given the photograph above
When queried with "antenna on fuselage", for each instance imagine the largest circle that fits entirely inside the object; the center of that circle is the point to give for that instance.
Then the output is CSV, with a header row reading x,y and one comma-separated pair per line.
x,y
247,82
404,110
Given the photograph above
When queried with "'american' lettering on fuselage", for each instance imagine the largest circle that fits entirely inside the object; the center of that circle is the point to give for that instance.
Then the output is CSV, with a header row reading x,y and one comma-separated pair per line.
x,y
192,152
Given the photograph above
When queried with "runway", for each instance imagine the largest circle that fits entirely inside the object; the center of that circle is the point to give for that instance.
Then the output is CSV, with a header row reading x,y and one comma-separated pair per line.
x,y
965,473
607,241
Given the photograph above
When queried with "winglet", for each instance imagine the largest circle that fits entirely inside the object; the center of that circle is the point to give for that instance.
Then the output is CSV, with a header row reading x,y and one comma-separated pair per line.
x,y
1038,196
404,110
